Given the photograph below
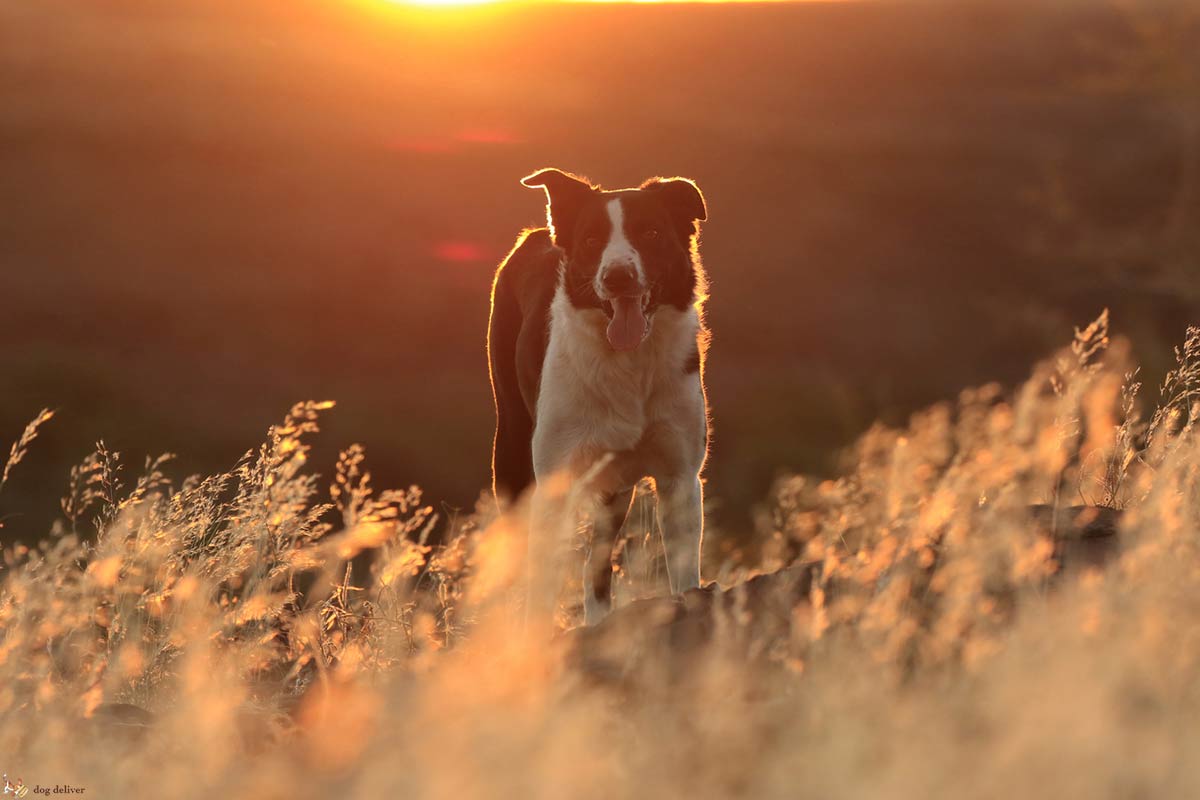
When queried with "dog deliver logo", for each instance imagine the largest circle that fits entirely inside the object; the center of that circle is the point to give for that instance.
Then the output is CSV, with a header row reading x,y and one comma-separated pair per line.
x,y
18,789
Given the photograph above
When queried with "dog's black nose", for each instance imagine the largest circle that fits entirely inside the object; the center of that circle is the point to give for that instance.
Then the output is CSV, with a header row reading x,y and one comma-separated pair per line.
x,y
619,281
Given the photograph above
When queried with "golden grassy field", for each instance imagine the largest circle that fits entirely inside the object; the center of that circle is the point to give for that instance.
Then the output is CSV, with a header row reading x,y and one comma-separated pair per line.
x,y
945,625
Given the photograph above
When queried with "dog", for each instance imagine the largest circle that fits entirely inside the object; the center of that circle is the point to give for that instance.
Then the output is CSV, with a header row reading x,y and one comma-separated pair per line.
x,y
596,349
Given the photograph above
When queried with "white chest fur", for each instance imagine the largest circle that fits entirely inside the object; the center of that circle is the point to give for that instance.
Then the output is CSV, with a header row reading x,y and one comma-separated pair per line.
x,y
594,400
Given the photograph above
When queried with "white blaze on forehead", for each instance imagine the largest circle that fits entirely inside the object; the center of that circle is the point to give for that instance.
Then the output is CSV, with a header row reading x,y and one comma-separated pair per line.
x,y
619,249
627,325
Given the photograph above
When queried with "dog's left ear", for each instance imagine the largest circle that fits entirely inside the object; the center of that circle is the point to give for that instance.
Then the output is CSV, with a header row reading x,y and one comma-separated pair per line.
x,y
683,200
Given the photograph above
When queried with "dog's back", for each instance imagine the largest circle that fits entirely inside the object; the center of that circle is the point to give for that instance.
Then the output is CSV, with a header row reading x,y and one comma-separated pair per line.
x,y
517,331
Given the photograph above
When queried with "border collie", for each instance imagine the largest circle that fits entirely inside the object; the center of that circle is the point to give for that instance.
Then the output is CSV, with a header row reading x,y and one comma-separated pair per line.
x,y
596,346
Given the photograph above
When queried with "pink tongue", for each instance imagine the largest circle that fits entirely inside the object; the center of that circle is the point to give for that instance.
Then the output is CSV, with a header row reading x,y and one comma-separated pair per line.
x,y
628,325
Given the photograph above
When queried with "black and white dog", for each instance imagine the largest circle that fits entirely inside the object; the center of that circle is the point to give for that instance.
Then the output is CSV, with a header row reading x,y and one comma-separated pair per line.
x,y
596,346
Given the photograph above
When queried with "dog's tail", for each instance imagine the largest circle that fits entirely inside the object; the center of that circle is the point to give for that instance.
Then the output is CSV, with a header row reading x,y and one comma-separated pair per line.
x,y
512,449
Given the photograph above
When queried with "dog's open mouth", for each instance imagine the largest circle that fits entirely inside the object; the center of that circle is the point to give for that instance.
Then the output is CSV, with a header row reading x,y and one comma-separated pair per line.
x,y
627,321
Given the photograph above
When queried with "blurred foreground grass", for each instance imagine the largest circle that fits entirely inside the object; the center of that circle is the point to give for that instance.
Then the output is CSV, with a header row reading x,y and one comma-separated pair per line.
x,y
220,636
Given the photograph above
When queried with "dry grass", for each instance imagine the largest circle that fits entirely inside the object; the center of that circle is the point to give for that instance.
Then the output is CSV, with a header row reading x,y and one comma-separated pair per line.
x,y
212,638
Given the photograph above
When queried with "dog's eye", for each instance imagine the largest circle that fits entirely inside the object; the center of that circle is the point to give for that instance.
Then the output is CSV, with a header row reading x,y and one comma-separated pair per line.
x,y
591,242
650,234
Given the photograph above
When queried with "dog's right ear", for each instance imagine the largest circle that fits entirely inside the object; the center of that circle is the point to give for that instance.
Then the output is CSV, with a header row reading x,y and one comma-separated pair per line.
x,y
565,196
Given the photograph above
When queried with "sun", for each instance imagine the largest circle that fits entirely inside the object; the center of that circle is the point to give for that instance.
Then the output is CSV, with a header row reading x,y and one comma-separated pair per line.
x,y
439,3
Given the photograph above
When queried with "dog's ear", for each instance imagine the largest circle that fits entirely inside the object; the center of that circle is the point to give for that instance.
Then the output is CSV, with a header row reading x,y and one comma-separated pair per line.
x,y
565,196
683,200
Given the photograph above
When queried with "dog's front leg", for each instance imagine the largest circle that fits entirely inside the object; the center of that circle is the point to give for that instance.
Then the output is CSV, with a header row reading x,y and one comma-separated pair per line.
x,y
607,520
681,519
544,554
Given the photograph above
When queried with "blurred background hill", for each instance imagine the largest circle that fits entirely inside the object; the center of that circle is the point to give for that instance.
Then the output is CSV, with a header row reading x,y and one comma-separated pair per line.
x,y
211,210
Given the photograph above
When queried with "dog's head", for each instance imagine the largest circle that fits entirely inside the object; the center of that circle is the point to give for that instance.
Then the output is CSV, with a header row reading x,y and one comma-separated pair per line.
x,y
628,252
